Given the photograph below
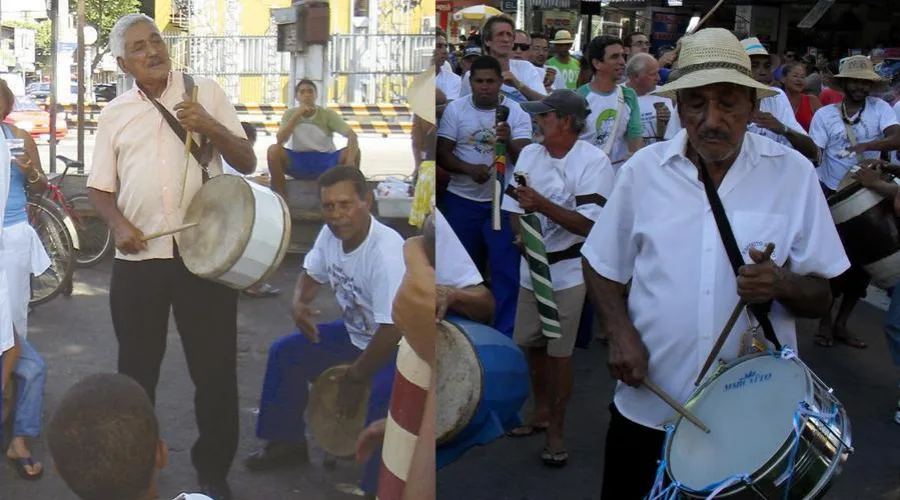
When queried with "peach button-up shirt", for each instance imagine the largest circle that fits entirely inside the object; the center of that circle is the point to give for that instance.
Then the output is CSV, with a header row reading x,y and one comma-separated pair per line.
x,y
139,157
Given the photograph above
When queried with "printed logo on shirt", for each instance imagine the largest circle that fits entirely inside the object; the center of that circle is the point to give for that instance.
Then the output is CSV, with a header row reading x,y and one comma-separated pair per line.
x,y
749,378
760,246
347,293
482,140
605,121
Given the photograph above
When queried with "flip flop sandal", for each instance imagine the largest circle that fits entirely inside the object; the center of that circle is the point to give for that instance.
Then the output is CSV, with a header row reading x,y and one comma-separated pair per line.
x,y
558,459
20,463
851,341
527,430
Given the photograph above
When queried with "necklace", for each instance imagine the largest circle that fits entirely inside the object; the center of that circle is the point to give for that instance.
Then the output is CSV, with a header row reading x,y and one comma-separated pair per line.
x,y
847,118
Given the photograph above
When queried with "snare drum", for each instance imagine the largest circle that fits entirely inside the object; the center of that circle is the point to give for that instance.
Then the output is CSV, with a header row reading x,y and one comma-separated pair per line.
x,y
754,408
242,234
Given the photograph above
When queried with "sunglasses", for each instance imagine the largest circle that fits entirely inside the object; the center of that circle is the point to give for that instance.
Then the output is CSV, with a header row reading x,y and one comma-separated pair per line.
x,y
521,46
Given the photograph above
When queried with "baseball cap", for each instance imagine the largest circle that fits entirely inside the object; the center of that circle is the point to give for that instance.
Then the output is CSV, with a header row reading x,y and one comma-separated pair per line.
x,y
564,101
472,51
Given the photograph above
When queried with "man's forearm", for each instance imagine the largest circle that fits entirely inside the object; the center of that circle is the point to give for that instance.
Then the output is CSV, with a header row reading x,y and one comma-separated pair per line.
x,y
886,189
570,220
475,303
449,161
802,143
803,296
105,205
286,130
530,93
635,144
889,143
306,289
237,151
377,353
609,297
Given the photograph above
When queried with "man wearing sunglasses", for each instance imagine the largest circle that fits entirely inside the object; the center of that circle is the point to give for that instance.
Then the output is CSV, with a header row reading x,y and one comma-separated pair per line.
x,y
535,49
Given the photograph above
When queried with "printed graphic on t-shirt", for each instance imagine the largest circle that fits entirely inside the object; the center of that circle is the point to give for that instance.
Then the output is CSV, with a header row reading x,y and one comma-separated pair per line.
x,y
482,140
605,121
347,293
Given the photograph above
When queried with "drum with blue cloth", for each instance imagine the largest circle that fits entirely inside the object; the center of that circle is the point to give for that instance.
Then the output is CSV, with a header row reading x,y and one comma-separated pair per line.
x,y
777,432
482,383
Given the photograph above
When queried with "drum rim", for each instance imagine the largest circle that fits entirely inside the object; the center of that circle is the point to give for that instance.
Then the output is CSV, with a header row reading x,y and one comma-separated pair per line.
x,y
450,435
844,194
779,457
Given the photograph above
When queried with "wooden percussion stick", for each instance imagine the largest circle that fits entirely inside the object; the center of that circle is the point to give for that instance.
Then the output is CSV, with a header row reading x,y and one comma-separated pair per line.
x,y
153,236
187,149
707,16
767,253
684,412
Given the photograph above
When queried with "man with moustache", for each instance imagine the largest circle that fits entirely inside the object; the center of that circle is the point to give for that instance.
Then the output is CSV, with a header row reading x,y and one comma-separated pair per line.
x,y
569,182
859,127
467,134
658,232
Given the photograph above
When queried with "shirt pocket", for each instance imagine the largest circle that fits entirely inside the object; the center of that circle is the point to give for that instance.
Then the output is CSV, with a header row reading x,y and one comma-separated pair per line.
x,y
757,229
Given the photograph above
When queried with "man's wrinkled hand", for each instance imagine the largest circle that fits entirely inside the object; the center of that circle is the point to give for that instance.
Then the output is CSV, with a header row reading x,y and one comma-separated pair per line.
x,y
128,238
629,359
530,200
769,122
757,283
479,173
502,132
868,176
510,79
350,392
193,116
445,297
304,316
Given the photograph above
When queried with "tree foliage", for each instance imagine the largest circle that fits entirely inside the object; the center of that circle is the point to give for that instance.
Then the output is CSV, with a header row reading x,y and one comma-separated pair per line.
x,y
41,37
102,15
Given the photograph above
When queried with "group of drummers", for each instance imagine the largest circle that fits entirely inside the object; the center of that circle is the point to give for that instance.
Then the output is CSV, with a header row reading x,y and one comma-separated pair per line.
x,y
727,206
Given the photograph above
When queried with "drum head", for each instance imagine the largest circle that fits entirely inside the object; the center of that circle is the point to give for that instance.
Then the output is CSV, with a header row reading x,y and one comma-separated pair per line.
x,y
224,209
335,435
459,381
749,410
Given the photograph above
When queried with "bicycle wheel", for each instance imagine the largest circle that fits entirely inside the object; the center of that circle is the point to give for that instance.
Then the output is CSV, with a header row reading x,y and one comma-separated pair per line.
x,y
46,219
94,237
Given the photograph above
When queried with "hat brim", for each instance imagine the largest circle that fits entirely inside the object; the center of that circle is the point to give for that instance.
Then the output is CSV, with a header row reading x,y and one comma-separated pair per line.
x,y
706,77
868,77
563,42
535,107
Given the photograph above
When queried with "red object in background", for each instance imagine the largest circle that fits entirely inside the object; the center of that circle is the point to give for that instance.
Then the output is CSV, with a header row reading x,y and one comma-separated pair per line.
x,y
28,116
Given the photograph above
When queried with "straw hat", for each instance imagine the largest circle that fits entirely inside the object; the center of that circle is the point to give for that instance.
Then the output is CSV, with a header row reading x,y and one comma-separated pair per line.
x,y
562,37
420,96
713,55
754,47
859,68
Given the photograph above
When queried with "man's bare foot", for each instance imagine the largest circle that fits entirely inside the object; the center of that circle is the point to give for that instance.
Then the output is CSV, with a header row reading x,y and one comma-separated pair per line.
x,y
825,336
841,334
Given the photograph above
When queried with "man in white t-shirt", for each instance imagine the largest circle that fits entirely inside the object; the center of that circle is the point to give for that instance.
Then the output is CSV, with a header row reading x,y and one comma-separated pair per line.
x,y
521,80
683,285
874,129
444,79
569,181
643,76
615,122
362,261
467,136
537,54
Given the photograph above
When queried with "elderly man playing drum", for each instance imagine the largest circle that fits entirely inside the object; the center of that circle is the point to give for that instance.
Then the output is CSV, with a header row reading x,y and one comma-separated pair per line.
x,y
139,185
362,260
659,231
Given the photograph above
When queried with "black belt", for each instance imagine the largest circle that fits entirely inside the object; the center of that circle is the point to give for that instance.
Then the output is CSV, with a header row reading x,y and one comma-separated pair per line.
x,y
573,252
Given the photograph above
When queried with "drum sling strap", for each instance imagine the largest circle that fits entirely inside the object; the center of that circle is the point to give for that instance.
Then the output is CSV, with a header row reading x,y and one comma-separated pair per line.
x,y
760,311
202,152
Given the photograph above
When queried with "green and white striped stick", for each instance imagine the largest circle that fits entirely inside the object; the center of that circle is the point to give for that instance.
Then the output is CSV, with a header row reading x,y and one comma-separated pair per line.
x,y
539,267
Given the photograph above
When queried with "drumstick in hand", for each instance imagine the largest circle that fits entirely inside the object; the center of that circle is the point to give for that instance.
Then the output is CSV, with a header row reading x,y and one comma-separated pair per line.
x,y
160,234
767,254
187,149
684,412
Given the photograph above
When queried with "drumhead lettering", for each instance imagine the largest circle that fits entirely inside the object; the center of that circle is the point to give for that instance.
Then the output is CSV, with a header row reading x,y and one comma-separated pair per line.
x,y
749,378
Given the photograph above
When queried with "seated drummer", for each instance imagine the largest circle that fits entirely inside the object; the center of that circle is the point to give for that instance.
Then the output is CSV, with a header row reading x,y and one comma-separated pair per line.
x,y
362,260
311,150
657,229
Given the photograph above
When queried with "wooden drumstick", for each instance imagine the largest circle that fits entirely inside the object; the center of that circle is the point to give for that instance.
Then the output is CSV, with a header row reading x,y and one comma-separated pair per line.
x,y
706,17
160,234
767,253
188,139
684,412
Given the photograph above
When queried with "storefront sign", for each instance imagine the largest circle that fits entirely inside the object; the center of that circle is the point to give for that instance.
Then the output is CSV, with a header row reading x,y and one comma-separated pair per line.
x,y
667,28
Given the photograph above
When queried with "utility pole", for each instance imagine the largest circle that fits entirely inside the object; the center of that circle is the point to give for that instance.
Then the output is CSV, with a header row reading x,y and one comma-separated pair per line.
x,y
79,58
54,63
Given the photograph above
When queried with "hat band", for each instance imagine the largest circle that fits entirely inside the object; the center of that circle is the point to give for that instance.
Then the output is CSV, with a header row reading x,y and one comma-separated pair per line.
x,y
715,65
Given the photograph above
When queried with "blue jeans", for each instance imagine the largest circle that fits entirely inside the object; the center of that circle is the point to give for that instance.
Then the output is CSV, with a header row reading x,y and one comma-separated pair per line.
x,y
294,363
471,221
309,165
32,374
892,328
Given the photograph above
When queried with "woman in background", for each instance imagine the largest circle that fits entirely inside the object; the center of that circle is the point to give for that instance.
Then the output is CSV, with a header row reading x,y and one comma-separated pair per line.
x,y
805,105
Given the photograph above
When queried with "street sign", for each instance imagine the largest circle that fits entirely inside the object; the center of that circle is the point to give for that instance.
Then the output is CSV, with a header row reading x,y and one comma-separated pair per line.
x,y
67,46
509,5
816,13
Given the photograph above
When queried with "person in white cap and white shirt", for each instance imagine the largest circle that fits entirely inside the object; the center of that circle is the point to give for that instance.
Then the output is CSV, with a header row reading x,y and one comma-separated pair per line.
x,y
657,230
642,71
444,79
521,80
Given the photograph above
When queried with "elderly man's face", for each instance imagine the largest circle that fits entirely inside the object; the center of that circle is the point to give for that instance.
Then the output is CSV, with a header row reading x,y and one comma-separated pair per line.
x,y
501,41
540,51
146,55
547,125
521,47
715,118
761,67
648,79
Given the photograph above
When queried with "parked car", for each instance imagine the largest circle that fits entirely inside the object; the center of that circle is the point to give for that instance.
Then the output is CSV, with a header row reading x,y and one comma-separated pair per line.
x,y
28,116
105,92
40,92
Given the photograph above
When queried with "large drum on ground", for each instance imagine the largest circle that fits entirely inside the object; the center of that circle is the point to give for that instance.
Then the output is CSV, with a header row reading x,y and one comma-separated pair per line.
x,y
482,381
336,435
242,234
869,230
777,431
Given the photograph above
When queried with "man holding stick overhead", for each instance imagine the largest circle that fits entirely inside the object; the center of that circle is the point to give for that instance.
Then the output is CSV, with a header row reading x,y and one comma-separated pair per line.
x,y
659,231
136,186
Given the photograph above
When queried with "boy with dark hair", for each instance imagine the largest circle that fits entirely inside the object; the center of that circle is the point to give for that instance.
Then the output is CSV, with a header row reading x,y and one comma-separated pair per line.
x,y
104,439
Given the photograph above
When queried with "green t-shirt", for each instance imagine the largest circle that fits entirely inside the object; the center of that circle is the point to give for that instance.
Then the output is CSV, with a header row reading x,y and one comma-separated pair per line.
x,y
316,133
569,70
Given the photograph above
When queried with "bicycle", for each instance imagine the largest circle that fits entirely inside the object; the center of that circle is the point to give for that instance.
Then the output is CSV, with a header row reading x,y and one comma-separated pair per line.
x,y
45,217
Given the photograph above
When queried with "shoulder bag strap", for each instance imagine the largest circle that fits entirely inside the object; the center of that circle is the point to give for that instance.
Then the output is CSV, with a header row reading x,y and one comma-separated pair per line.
x,y
760,311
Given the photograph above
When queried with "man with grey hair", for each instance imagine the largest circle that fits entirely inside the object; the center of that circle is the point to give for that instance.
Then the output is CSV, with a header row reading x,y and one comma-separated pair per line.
x,y
136,185
642,71
568,182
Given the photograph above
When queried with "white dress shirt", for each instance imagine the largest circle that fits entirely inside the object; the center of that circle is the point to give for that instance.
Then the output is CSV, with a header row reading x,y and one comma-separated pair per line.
x,y
658,229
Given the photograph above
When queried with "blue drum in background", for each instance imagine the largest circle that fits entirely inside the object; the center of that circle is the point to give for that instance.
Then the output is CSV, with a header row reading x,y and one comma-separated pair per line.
x,y
482,383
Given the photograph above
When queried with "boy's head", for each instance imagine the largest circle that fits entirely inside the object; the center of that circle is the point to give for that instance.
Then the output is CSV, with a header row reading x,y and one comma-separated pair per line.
x,y
104,439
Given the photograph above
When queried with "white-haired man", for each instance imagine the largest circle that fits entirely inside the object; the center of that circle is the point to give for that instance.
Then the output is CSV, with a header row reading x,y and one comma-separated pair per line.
x,y
642,70
136,185
687,274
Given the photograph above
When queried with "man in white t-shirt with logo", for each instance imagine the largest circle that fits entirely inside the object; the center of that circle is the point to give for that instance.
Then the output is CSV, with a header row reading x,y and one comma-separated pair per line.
x,y
643,76
539,51
521,80
466,142
445,79
859,127
615,122
361,260
569,181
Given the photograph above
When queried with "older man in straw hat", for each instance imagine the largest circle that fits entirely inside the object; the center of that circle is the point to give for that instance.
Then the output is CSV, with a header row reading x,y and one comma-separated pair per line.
x,y
658,230
859,127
